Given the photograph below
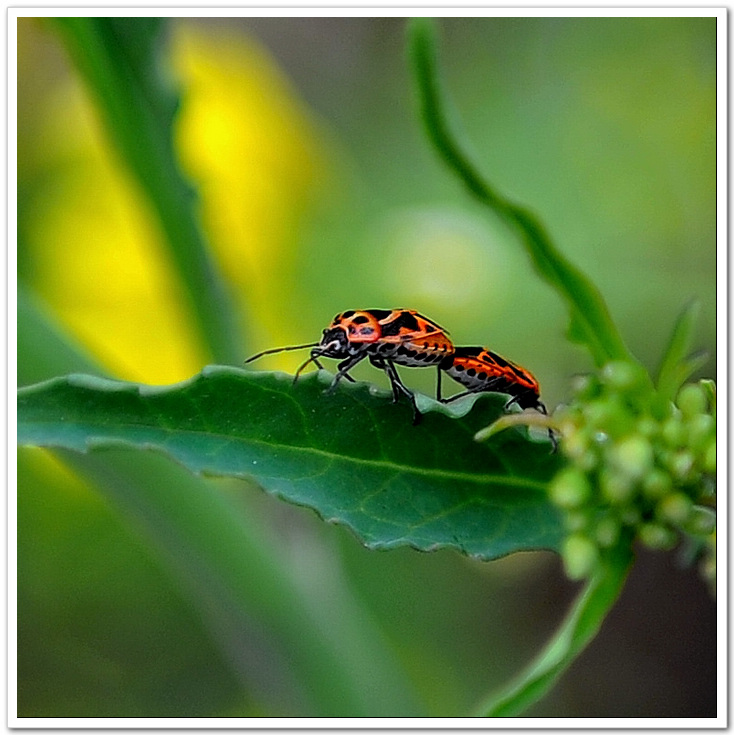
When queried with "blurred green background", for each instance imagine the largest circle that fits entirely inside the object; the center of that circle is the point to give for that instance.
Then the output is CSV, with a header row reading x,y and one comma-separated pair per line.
x,y
318,193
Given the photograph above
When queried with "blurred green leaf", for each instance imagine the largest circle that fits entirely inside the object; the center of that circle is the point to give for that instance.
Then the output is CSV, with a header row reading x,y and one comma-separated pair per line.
x,y
678,364
591,323
265,620
104,630
119,59
352,456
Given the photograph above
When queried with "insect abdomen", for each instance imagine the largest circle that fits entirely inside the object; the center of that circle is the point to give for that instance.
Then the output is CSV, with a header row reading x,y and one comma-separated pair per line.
x,y
480,370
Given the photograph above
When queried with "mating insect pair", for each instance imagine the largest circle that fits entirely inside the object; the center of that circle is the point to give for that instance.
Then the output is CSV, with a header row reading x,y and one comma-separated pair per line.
x,y
390,337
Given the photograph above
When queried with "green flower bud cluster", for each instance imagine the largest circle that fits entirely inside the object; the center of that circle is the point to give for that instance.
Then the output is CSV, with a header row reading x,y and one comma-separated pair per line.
x,y
639,466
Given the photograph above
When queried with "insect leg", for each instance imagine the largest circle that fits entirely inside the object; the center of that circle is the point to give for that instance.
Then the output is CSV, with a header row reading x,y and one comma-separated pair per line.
x,y
321,367
315,361
343,369
540,408
398,387
438,384
315,354
487,387
345,374
512,400
551,434
380,363
457,396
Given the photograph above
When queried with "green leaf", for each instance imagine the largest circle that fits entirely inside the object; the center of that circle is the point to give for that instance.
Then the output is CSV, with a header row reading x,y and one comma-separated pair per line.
x,y
591,324
577,630
678,364
352,456
119,59
233,571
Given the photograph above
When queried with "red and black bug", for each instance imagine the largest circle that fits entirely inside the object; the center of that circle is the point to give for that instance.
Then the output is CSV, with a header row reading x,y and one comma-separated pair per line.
x,y
480,370
387,337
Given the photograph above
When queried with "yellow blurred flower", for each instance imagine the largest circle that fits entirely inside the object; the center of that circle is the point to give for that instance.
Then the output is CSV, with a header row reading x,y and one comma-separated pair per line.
x,y
97,251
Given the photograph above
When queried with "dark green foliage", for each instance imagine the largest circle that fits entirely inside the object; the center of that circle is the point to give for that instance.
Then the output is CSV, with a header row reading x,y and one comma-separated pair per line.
x,y
352,456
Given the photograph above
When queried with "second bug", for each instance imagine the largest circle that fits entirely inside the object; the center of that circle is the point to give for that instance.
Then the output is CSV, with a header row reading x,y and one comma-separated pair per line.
x,y
386,337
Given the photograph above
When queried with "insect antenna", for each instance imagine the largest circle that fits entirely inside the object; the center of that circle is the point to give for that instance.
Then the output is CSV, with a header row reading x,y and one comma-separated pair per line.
x,y
280,349
313,359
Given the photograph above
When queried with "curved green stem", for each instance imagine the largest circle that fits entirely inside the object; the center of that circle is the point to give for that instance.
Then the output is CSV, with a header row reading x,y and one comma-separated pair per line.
x,y
576,632
591,322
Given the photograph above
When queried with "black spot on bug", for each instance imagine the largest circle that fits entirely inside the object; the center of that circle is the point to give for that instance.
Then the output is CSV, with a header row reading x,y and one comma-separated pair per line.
x,y
468,351
405,321
379,314
519,373
471,372
361,319
459,368
345,315
499,360
482,376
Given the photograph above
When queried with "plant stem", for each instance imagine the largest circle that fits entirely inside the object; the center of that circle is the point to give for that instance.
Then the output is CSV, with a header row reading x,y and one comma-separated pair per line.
x,y
576,632
591,322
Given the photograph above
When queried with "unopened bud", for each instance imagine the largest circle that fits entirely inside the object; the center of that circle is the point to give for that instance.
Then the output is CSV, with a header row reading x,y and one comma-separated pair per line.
x,y
700,429
709,459
656,484
701,521
692,400
674,432
570,488
675,508
617,488
624,376
656,536
607,531
632,456
580,556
